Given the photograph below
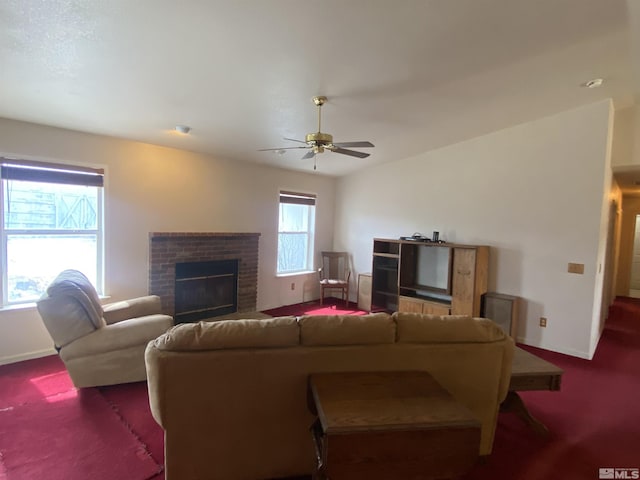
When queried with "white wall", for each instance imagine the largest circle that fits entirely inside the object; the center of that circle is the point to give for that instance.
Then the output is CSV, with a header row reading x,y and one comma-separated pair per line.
x,y
605,261
626,135
533,193
150,188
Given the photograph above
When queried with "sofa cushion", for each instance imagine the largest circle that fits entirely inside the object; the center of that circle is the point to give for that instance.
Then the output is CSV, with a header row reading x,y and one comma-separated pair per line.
x,y
375,328
269,333
423,328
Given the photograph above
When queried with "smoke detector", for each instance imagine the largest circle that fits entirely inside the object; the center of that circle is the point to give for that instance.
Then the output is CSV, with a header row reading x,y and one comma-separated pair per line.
x,y
183,129
593,83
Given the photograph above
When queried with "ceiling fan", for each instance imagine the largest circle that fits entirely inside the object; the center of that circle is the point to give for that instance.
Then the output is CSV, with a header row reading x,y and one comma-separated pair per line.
x,y
317,142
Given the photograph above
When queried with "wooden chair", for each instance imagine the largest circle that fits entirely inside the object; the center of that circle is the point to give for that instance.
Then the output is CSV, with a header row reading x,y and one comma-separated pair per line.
x,y
335,274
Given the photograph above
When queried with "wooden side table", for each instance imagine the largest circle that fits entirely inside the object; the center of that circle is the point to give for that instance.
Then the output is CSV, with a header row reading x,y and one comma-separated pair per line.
x,y
390,425
529,372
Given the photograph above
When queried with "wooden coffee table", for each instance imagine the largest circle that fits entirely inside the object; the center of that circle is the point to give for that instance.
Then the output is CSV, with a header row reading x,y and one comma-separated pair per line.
x,y
388,425
530,372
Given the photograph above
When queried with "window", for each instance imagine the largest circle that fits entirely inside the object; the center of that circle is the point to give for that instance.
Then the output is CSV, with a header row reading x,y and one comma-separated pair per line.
x,y
295,232
51,220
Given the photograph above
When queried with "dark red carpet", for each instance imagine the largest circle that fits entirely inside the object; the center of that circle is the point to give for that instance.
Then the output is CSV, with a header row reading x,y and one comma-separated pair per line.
x,y
332,306
131,402
32,380
594,420
49,430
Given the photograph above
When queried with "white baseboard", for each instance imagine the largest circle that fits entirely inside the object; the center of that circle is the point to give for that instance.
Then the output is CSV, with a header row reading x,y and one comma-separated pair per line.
x,y
27,356
555,348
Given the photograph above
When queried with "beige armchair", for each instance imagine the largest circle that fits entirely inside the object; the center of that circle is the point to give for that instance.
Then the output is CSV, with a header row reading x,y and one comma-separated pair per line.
x,y
99,345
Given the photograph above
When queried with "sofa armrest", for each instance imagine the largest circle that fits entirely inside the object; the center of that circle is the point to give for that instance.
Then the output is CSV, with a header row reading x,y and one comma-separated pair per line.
x,y
507,361
119,336
133,308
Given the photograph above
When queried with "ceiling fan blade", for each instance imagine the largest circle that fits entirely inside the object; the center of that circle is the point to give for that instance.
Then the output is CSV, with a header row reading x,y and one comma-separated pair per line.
x,y
294,140
309,154
352,153
355,144
275,149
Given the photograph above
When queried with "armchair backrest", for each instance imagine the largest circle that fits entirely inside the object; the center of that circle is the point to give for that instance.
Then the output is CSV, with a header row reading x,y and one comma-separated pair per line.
x,y
71,308
335,266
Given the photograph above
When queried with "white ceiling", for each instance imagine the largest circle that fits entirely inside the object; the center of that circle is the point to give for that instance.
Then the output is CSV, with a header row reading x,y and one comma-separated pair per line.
x,y
407,75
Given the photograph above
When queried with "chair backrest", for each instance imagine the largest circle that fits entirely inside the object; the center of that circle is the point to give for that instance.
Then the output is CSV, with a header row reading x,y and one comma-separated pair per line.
x,y
335,266
71,308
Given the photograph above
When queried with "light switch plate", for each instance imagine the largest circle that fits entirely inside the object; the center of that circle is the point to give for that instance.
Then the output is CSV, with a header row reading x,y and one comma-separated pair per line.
x,y
576,268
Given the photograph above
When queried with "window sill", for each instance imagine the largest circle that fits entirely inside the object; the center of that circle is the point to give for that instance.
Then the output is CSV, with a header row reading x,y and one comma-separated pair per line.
x,y
32,305
295,274
18,306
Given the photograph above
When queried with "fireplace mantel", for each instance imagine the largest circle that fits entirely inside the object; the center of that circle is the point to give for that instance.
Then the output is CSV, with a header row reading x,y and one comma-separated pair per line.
x,y
168,248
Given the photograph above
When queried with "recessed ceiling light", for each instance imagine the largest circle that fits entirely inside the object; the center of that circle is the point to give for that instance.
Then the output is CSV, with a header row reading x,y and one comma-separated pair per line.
x,y
184,129
593,83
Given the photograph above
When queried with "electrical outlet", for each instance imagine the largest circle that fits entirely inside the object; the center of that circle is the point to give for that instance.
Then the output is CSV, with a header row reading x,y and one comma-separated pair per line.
x,y
543,321
293,286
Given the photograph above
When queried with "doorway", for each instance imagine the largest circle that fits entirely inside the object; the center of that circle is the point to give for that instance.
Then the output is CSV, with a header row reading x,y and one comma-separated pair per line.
x,y
634,288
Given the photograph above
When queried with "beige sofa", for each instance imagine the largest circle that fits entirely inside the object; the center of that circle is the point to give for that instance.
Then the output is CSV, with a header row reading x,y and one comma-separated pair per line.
x,y
99,345
232,395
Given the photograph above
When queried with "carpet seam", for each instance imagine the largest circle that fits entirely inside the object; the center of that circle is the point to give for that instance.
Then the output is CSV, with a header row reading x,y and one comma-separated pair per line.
x,y
128,426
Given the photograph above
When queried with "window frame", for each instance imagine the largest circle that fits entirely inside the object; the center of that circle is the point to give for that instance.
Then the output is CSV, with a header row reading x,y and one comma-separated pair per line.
x,y
52,173
298,198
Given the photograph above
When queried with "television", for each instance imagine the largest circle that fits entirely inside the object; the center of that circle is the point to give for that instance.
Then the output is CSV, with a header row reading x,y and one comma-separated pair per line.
x,y
433,268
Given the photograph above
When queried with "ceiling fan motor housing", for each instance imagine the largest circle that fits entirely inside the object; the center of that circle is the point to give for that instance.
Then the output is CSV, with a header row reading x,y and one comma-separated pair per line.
x,y
318,139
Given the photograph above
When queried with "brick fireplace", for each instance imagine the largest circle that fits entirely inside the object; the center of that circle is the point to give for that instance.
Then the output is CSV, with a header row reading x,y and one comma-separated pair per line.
x,y
166,249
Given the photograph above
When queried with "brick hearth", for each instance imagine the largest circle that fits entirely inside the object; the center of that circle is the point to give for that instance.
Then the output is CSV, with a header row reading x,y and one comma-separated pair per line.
x,y
168,248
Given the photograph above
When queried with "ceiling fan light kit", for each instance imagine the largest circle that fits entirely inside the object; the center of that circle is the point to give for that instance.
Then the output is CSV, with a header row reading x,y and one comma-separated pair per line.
x,y
317,142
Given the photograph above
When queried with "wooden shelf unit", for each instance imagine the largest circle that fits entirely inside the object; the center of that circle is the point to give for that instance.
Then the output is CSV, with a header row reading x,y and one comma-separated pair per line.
x,y
407,278
384,276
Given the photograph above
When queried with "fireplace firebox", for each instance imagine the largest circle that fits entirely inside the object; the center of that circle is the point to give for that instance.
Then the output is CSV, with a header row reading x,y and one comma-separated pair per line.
x,y
205,289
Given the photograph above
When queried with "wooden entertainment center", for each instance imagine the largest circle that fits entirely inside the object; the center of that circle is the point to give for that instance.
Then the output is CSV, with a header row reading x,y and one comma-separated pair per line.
x,y
428,277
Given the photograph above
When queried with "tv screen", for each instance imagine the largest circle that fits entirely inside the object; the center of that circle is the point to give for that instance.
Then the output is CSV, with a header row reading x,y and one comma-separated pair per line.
x,y
433,269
